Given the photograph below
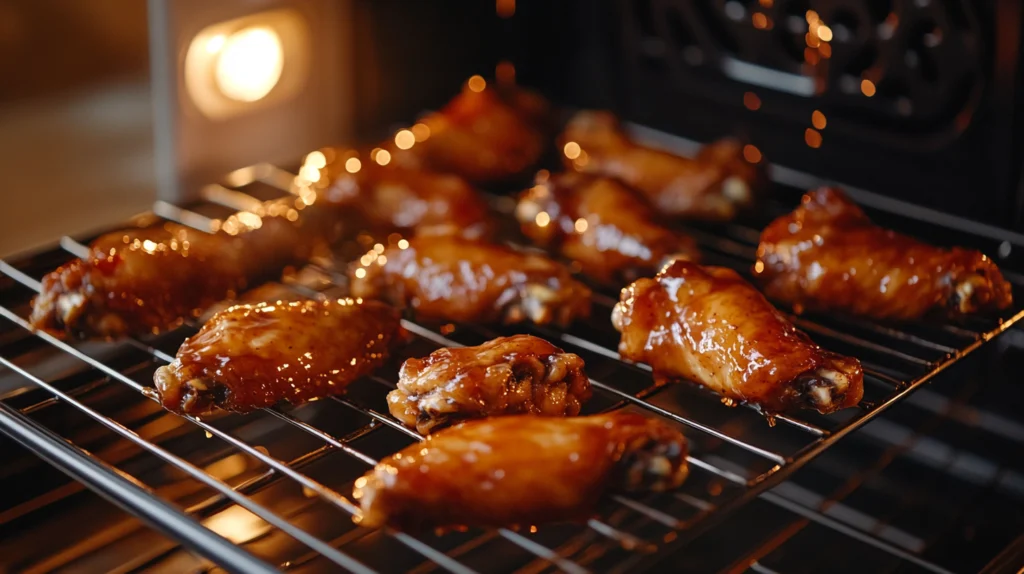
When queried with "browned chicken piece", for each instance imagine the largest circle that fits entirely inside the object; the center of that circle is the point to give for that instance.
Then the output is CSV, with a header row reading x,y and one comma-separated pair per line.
x,y
486,134
716,185
141,281
450,278
828,255
609,230
249,357
521,470
392,198
508,375
709,326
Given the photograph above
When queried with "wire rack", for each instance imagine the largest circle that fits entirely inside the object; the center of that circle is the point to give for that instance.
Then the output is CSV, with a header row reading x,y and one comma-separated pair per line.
x,y
737,455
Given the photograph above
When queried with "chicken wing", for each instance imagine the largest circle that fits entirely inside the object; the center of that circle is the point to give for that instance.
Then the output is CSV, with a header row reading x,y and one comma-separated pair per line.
x,y
253,356
828,255
392,198
601,224
521,470
715,186
454,279
508,375
147,280
708,325
486,134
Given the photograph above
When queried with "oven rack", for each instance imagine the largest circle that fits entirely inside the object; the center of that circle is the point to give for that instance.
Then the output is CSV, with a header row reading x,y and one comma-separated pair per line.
x,y
720,455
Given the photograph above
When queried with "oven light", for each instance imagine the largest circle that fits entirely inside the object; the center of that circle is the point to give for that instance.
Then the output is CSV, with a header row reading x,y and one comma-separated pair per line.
x,y
249,63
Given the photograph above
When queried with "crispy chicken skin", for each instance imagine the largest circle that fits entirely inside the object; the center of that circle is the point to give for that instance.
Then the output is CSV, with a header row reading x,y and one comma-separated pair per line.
x,y
253,356
147,280
600,223
708,325
486,134
828,255
521,470
454,279
714,186
508,375
393,198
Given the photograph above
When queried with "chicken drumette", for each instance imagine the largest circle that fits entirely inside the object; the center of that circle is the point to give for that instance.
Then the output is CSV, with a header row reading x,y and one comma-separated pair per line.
x,y
828,255
454,279
253,356
607,228
521,470
508,375
392,198
146,280
708,325
716,185
486,134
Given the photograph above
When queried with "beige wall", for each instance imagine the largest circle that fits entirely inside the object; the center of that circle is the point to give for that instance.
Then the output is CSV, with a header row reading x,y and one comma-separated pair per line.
x,y
75,120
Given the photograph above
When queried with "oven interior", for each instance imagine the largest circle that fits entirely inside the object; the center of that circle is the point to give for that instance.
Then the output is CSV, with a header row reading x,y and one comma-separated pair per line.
x,y
926,478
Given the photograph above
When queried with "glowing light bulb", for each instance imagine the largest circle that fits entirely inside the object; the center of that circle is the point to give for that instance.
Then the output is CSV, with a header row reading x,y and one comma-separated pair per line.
x,y
249,64
572,150
353,165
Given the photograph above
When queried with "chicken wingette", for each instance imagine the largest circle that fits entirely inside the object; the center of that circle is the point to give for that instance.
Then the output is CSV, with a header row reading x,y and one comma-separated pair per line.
x,y
601,224
709,326
249,357
450,278
828,255
521,470
507,375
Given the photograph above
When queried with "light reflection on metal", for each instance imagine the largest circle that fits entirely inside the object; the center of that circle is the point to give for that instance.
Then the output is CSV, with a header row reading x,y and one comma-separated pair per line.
x,y
739,70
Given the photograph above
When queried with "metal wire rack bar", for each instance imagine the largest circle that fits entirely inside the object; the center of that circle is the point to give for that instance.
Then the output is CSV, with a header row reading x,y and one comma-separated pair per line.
x,y
783,464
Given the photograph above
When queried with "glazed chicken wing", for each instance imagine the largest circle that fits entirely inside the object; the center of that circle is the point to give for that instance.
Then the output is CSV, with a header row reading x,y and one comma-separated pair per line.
x,y
828,255
393,198
508,375
486,134
249,357
601,224
708,325
454,279
146,280
716,185
521,470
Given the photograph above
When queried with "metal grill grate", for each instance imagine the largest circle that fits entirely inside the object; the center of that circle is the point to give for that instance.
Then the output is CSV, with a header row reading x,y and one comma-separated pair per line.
x,y
736,457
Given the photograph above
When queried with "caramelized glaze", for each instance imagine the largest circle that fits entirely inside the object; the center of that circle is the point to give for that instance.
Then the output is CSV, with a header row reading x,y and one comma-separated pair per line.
x,y
609,230
487,136
709,326
253,356
393,198
521,470
507,375
828,255
716,185
139,281
454,279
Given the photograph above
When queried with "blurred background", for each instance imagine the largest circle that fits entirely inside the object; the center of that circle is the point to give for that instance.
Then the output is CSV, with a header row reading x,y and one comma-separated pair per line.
x,y
75,115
